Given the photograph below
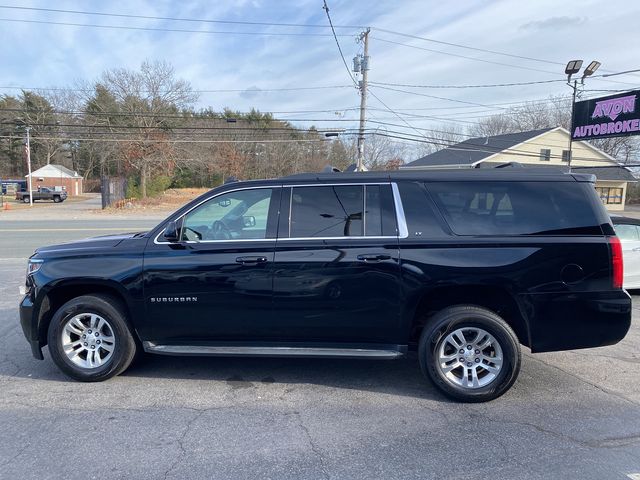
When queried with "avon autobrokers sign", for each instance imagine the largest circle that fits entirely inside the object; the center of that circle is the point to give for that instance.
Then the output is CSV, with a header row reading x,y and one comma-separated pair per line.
x,y
613,116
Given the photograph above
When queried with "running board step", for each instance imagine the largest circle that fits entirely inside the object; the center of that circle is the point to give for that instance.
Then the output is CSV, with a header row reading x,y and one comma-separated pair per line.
x,y
261,351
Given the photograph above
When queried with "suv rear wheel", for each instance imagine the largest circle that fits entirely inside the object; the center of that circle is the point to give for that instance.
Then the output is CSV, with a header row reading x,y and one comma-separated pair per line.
x,y
469,353
89,338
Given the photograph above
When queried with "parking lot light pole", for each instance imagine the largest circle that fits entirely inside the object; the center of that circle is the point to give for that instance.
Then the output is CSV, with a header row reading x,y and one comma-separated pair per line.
x,y
571,69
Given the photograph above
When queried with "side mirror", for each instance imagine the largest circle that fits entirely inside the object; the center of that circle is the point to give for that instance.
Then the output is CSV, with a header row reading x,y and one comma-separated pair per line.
x,y
171,233
249,221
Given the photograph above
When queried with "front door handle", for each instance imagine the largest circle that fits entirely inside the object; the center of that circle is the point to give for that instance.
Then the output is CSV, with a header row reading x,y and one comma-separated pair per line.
x,y
375,257
247,260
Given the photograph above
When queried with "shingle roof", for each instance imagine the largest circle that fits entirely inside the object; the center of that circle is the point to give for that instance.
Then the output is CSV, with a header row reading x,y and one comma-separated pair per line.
x,y
66,170
613,172
475,149
607,173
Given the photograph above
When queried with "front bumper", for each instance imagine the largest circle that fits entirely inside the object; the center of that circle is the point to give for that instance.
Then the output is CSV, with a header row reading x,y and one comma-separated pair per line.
x,y
30,326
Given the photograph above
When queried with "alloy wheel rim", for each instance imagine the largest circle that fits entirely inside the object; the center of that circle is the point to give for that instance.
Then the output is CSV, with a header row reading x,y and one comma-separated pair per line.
x,y
470,357
88,340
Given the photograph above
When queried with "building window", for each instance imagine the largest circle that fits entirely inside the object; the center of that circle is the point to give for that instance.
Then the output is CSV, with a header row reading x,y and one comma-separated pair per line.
x,y
566,155
610,195
545,154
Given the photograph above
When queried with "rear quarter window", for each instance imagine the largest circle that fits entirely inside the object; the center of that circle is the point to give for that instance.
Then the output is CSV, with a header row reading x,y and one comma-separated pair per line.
x,y
516,208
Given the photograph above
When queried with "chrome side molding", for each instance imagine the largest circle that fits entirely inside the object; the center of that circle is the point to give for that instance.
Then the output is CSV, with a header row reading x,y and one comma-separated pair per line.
x,y
267,351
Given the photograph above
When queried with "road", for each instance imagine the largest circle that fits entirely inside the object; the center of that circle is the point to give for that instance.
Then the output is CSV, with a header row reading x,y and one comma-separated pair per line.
x,y
570,415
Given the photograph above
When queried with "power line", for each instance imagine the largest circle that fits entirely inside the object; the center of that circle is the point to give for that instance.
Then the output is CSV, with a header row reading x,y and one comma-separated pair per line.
x,y
458,45
173,30
326,9
435,97
177,19
476,59
493,85
248,90
511,65
294,140
475,147
493,52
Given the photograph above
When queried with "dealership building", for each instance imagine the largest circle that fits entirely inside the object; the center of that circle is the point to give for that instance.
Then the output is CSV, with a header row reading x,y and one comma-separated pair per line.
x,y
545,147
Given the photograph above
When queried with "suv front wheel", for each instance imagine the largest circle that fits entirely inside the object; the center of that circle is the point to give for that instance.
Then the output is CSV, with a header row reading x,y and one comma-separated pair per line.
x,y
89,339
469,353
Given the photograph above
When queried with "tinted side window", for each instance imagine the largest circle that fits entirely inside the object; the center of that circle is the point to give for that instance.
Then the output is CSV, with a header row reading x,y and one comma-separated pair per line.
x,y
329,211
516,208
379,215
240,215
420,217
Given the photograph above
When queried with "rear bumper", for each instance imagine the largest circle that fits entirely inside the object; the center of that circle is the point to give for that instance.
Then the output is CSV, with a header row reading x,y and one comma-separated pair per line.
x,y
30,327
566,321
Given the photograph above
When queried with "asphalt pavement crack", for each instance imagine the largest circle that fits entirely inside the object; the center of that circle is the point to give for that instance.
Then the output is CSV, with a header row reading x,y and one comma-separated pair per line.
x,y
183,452
314,448
610,442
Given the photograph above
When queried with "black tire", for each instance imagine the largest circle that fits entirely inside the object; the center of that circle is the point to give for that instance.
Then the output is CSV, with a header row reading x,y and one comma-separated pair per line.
x,y
25,199
448,320
113,312
57,199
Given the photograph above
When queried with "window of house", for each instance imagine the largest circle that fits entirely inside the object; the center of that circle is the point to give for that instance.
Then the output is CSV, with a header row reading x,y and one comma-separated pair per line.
x,y
566,155
545,154
610,195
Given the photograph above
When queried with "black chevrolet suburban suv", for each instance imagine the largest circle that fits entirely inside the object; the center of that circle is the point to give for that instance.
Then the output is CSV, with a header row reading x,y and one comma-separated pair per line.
x,y
463,266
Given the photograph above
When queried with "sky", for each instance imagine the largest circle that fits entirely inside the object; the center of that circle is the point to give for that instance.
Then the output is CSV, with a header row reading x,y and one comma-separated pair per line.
x,y
244,58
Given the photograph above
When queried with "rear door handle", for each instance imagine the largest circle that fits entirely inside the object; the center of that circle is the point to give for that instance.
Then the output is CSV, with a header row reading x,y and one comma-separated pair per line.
x,y
375,257
246,260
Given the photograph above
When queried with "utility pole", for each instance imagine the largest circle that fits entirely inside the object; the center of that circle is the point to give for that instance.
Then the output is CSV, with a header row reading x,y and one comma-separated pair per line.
x,y
30,185
362,64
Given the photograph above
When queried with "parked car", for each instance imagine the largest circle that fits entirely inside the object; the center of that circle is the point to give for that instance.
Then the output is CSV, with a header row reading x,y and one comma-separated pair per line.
x,y
462,266
628,231
43,193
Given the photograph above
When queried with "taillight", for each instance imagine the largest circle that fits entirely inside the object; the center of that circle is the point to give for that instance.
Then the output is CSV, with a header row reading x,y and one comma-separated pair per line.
x,y
617,268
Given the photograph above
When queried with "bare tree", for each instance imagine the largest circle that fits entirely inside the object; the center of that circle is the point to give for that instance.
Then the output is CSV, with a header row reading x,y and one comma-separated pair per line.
x,y
144,104
440,138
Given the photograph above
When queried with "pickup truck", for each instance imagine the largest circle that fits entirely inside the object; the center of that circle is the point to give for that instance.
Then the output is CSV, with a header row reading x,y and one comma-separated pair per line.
x,y
43,194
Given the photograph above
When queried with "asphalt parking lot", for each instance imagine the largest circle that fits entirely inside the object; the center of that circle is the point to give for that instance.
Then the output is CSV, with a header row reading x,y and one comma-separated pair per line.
x,y
571,414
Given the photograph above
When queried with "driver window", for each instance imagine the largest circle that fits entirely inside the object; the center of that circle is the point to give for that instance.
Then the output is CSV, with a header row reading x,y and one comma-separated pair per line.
x,y
239,215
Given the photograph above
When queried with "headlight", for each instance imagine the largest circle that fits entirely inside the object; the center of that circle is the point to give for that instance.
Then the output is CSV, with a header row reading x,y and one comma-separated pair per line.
x,y
34,265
